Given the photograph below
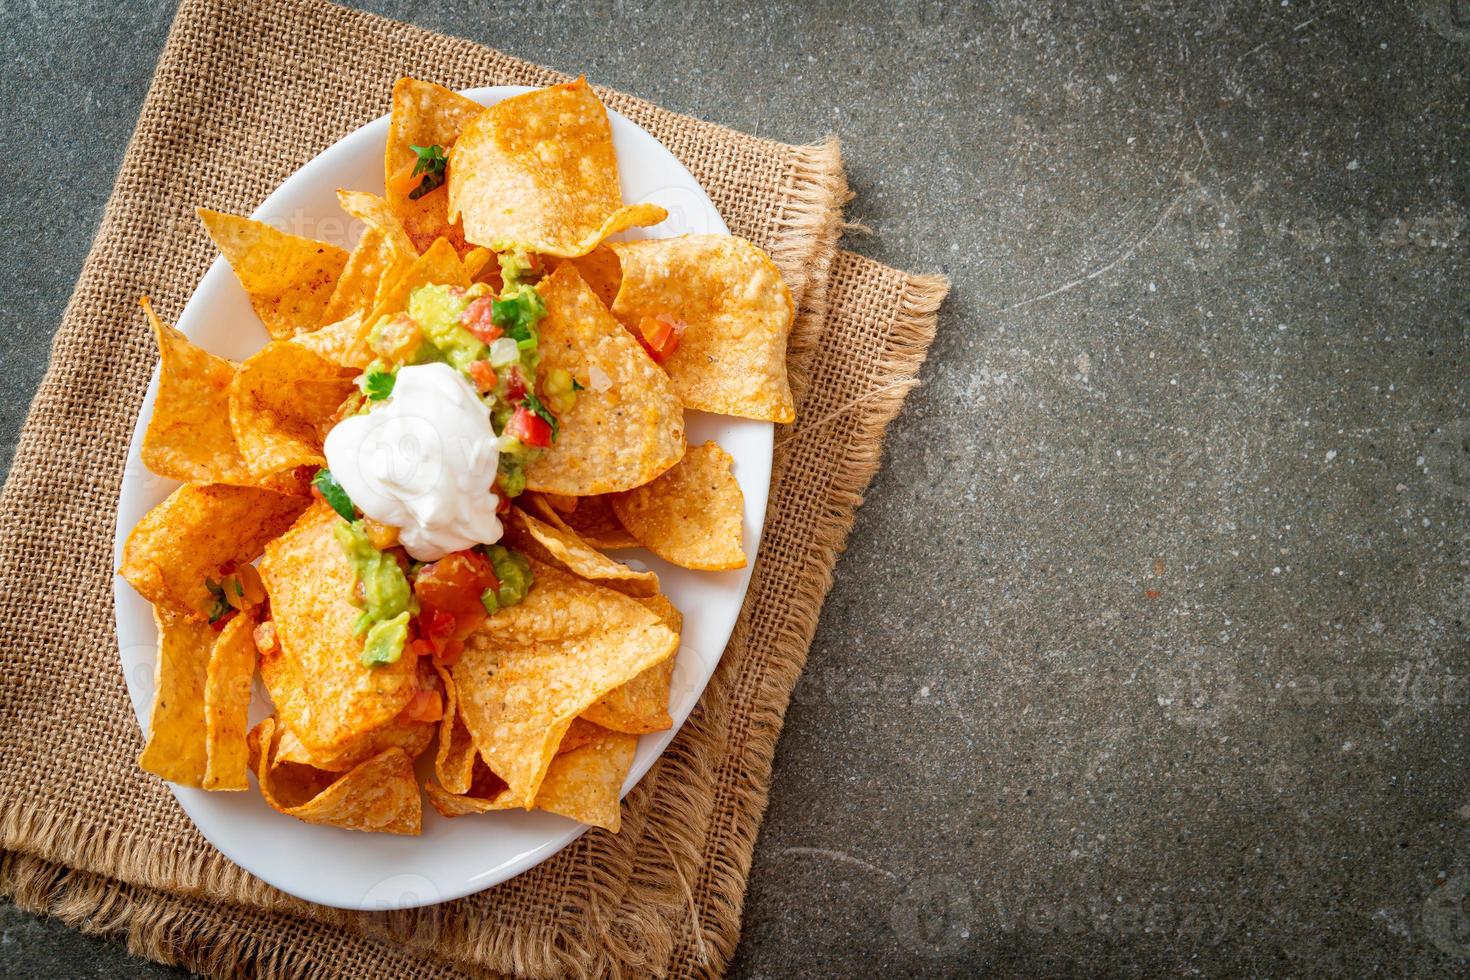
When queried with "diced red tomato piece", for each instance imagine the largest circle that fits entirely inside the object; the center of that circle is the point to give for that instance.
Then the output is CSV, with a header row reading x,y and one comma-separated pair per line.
x,y
424,706
452,586
660,335
515,385
219,624
477,319
530,428
483,375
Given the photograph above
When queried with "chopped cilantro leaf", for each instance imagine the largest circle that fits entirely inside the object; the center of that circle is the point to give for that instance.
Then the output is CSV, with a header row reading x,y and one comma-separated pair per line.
x,y
326,484
379,385
431,162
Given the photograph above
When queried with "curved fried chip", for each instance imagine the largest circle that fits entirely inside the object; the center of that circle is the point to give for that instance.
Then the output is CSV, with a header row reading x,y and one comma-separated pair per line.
x,y
176,744
566,549
410,736
692,515
322,692
586,783
615,438
642,704
533,667
423,114
289,279
454,759
538,171
737,310
392,253
592,520
485,792
343,343
378,795
227,703
281,403
440,264
185,539
189,436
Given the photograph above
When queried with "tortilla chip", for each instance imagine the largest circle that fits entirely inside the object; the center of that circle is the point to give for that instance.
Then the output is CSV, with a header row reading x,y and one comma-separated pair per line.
x,y
616,438
290,279
486,792
322,692
731,358
602,271
593,520
344,343
379,795
227,703
185,539
586,783
692,515
387,252
424,114
533,667
176,743
454,759
642,704
440,264
410,736
189,436
281,404
565,549
579,733
538,171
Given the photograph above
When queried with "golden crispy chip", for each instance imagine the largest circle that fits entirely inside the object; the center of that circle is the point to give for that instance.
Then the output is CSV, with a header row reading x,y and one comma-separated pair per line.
x,y
189,436
410,736
565,549
642,704
343,343
322,692
602,271
185,539
627,426
424,114
440,264
226,704
289,279
586,783
395,251
538,171
692,514
176,743
357,287
378,795
731,358
579,733
486,791
281,404
592,519
454,759
534,667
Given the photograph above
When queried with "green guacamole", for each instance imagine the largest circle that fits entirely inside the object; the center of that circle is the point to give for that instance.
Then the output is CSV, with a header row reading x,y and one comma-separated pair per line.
x,y
389,601
514,572
437,309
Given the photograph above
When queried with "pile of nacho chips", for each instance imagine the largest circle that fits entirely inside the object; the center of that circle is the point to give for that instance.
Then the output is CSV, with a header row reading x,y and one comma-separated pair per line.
x,y
535,704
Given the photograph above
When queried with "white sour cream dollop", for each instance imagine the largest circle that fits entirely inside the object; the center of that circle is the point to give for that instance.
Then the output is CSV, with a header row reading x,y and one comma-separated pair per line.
x,y
424,462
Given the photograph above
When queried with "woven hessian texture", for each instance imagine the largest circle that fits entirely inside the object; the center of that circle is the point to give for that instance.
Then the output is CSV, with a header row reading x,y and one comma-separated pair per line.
x,y
243,96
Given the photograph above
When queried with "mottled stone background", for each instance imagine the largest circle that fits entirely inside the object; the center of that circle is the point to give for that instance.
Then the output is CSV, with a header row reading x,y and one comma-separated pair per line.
x,y
1149,654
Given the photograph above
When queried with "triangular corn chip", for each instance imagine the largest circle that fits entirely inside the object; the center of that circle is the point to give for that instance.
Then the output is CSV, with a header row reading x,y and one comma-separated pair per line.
x,y
176,744
592,519
642,704
586,783
426,115
622,431
380,794
692,515
737,311
565,549
534,667
538,171
227,703
322,692
197,530
289,279
281,404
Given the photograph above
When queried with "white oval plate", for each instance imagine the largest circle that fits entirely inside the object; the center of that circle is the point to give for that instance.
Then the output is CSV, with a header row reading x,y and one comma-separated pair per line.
x,y
453,857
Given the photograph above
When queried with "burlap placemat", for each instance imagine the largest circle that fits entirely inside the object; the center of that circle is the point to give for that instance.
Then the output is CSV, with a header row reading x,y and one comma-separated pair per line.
x,y
244,94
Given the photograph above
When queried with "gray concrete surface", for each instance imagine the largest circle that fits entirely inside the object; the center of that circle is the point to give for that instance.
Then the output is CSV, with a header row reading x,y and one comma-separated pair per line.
x,y
1149,654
